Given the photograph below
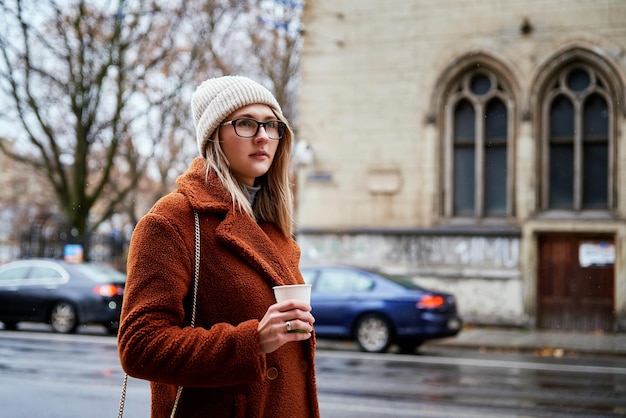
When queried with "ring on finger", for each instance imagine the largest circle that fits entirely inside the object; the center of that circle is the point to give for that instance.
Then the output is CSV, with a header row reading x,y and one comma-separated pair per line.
x,y
288,323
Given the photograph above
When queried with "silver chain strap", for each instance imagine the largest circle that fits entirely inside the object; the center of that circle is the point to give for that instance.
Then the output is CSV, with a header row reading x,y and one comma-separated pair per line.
x,y
194,299
120,411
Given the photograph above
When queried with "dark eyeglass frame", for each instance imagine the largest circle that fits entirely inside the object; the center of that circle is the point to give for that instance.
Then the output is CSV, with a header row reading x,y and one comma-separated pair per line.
x,y
282,127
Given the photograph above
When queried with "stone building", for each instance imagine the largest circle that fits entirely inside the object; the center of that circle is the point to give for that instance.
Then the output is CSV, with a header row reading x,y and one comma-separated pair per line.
x,y
479,146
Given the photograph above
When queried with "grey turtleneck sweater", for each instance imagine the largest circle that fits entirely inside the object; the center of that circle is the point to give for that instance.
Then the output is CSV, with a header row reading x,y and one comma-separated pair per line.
x,y
251,192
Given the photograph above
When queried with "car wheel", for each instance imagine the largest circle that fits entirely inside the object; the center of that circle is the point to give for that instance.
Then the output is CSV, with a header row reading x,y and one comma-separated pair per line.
x,y
373,334
63,318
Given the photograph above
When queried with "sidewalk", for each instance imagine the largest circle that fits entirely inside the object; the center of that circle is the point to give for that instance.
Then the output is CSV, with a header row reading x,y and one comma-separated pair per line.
x,y
549,343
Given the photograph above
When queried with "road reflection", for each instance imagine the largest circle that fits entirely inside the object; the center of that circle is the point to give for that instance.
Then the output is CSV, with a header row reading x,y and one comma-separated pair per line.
x,y
435,383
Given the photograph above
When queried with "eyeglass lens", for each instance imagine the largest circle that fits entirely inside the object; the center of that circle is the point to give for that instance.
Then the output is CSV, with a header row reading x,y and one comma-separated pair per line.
x,y
248,128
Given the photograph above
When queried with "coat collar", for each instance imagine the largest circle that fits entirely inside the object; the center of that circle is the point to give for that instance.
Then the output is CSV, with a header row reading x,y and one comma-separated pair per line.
x,y
203,188
263,246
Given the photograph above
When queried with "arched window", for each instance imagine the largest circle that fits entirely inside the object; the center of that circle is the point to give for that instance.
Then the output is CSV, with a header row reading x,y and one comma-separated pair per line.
x,y
478,174
577,141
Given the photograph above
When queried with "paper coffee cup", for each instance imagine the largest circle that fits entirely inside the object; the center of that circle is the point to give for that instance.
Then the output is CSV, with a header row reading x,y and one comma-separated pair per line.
x,y
293,291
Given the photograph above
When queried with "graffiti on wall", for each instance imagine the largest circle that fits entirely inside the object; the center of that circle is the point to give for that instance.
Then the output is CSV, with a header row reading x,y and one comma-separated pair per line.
x,y
412,250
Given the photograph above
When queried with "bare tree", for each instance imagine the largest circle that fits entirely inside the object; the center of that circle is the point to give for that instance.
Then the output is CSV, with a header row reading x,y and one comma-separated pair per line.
x,y
82,79
274,32
95,94
260,39
208,26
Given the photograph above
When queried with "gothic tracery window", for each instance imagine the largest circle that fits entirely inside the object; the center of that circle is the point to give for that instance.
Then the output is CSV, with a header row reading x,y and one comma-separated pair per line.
x,y
478,144
576,141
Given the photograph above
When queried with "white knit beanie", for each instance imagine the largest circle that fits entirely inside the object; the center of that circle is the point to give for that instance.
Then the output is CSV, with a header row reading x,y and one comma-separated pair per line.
x,y
216,98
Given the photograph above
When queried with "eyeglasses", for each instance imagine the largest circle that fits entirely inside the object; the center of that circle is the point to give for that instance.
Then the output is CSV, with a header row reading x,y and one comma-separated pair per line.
x,y
249,128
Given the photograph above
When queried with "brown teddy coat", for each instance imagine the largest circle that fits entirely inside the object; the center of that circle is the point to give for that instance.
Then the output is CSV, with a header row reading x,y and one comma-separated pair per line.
x,y
218,363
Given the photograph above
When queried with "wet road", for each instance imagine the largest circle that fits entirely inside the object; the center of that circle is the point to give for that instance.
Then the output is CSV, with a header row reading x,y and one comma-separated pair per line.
x,y
436,385
50,375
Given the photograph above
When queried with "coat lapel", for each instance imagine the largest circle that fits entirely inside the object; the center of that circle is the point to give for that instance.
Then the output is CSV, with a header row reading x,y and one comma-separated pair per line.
x,y
262,248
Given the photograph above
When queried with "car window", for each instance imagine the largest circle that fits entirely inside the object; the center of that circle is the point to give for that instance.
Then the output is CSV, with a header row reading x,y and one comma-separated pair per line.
x,y
44,273
337,281
13,275
101,273
328,282
362,284
403,281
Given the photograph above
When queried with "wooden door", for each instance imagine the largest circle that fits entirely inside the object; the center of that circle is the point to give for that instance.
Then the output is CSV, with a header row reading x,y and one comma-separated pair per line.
x,y
576,282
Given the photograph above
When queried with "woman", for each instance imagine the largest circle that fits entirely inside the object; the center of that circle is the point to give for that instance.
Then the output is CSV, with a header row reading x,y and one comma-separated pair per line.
x,y
239,360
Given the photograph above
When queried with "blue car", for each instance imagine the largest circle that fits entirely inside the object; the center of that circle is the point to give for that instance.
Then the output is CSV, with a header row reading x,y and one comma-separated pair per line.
x,y
377,310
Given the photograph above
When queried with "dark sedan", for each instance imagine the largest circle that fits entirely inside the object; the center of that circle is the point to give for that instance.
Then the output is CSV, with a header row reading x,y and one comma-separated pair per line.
x,y
63,294
377,310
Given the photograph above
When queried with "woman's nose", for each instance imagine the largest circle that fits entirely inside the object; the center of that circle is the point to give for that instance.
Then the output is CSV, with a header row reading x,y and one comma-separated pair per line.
x,y
261,135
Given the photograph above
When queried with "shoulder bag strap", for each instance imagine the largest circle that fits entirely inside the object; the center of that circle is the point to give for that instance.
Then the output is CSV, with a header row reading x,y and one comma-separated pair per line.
x,y
194,299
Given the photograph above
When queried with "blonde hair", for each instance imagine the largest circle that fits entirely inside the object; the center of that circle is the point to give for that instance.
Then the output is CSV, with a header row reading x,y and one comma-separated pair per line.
x,y
274,202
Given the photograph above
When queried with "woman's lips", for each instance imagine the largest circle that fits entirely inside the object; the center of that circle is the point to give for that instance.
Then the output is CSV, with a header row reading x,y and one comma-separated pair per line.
x,y
260,154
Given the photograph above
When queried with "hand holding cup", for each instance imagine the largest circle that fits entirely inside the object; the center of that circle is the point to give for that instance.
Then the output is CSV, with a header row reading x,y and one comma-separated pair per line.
x,y
301,292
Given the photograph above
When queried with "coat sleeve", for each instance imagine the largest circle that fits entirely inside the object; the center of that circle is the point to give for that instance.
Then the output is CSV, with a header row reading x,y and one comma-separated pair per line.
x,y
153,341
